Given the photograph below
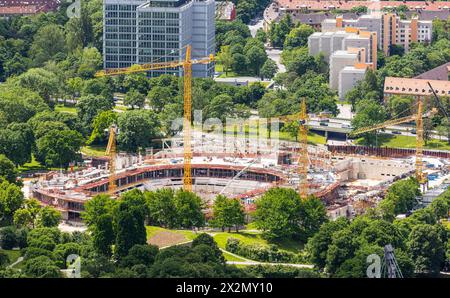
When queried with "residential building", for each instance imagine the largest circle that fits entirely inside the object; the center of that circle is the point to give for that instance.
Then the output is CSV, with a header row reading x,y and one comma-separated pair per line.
x,y
225,10
390,28
146,31
9,8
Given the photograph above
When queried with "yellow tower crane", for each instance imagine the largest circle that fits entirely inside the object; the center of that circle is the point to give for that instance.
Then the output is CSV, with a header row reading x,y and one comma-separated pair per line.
x,y
418,118
303,159
111,152
187,68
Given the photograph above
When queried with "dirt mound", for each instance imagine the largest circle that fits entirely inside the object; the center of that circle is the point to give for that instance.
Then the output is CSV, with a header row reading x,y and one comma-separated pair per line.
x,y
165,238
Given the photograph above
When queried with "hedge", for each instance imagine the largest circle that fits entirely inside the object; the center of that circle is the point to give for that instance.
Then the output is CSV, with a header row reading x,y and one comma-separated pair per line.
x,y
263,253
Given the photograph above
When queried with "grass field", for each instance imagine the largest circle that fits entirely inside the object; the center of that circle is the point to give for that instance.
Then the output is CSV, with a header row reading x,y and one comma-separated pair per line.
x,y
231,74
256,238
64,109
446,223
121,108
252,132
34,165
230,257
13,255
399,141
94,150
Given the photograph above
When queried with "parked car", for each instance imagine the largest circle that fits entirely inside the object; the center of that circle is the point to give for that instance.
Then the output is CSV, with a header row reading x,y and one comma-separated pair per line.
x,y
396,132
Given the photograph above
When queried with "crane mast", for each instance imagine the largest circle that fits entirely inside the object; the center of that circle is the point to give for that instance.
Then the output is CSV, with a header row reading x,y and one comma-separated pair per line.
x,y
418,118
187,97
419,143
112,153
187,66
303,161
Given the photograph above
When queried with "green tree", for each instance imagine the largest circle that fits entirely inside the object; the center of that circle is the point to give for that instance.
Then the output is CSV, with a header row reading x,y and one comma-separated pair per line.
x,y
159,97
189,208
225,58
292,128
8,170
278,213
317,246
140,254
98,215
88,107
41,267
45,82
313,215
74,34
403,193
90,62
48,217
205,239
8,238
137,129
240,63
161,206
298,37
101,124
400,106
441,205
278,31
134,98
426,249
342,248
59,148
368,113
227,213
220,107
11,199
130,226
48,44
269,69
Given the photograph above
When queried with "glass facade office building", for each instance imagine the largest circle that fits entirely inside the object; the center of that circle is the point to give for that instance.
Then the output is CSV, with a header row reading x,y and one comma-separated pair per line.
x,y
146,31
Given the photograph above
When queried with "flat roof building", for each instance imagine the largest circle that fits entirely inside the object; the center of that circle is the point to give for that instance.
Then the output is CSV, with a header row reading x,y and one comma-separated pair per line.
x,y
390,28
143,31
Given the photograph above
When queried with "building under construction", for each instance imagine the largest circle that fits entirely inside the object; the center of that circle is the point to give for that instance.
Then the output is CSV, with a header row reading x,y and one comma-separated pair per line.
x,y
345,182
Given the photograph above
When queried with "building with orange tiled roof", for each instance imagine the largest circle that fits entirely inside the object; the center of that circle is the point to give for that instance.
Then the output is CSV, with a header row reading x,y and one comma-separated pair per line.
x,y
26,7
426,10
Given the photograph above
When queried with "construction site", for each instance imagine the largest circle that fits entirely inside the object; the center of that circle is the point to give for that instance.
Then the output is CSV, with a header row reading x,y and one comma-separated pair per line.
x,y
348,179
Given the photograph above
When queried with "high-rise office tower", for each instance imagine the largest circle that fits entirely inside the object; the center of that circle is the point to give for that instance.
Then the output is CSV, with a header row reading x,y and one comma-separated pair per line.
x,y
146,31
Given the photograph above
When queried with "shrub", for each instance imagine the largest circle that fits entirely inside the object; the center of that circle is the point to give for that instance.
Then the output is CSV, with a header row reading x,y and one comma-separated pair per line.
x,y
8,238
262,253
260,271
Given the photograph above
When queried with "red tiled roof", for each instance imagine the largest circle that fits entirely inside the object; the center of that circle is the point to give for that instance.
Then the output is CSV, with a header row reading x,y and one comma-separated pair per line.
x,y
347,5
18,7
30,9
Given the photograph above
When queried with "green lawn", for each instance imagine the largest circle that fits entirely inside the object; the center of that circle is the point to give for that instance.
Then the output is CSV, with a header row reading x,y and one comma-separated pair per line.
x,y
121,108
65,109
34,165
13,255
230,257
256,238
446,223
252,132
251,226
230,74
399,141
94,150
